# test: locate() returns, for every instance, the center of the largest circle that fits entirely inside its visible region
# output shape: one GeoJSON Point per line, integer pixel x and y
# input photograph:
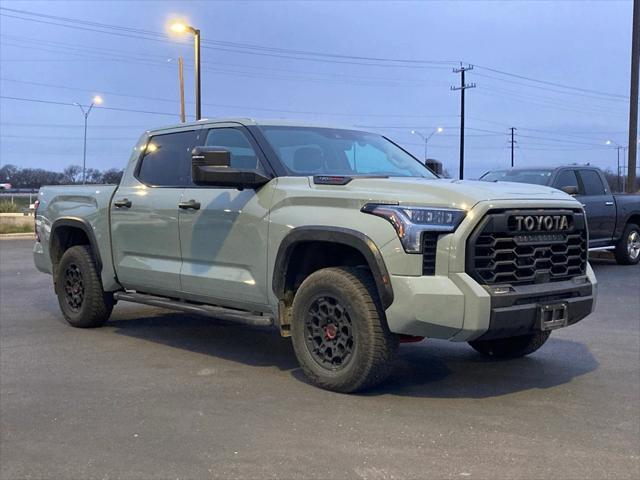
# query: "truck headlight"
{"type": "Point", "coordinates": [410, 222]}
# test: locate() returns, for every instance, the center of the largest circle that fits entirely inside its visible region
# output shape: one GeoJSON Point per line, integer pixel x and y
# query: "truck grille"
{"type": "Point", "coordinates": [503, 250]}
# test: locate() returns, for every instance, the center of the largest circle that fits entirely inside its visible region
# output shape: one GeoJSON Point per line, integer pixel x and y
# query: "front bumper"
{"type": "Point", "coordinates": [457, 308]}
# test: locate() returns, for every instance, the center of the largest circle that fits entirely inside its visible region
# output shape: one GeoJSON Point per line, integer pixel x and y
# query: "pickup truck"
{"type": "Point", "coordinates": [613, 219]}
{"type": "Point", "coordinates": [339, 238]}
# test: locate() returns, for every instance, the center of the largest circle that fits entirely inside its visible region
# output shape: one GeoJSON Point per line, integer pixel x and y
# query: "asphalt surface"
{"type": "Point", "coordinates": [157, 394]}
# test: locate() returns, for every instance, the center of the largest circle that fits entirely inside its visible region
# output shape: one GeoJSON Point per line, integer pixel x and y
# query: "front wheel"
{"type": "Point", "coordinates": [339, 332]}
{"type": "Point", "coordinates": [627, 250]}
{"type": "Point", "coordinates": [511, 347]}
{"type": "Point", "coordinates": [82, 300]}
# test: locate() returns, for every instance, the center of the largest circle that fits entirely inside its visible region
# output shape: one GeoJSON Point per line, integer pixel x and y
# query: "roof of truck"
{"type": "Point", "coordinates": [248, 121]}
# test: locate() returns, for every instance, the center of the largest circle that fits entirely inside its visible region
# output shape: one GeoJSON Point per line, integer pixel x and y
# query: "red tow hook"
{"type": "Point", "coordinates": [410, 339]}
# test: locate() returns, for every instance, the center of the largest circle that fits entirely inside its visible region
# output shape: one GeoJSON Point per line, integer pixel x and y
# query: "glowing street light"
{"type": "Point", "coordinates": [426, 139]}
{"type": "Point", "coordinates": [97, 100]}
{"type": "Point", "coordinates": [180, 27]}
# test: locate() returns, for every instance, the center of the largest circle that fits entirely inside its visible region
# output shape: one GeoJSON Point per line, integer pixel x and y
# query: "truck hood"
{"type": "Point", "coordinates": [444, 192]}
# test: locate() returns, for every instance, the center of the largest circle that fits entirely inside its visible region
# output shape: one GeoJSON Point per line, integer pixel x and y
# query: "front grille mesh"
{"type": "Point", "coordinates": [500, 257]}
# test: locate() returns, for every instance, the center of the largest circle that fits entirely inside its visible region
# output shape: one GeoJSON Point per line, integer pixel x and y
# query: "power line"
{"type": "Point", "coordinates": [51, 102]}
{"type": "Point", "coordinates": [392, 62]}
{"type": "Point", "coordinates": [563, 92]}
{"type": "Point", "coordinates": [157, 37]}
{"type": "Point", "coordinates": [553, 84]}
{"type": "Point", "coordinates": [337, 114]}
{"type": "Point", "coordinates": [555, 106]}
{"type": "Point", "coordinates": [553, 100]}
{"type": "Point", "coordinates": [261, 74]}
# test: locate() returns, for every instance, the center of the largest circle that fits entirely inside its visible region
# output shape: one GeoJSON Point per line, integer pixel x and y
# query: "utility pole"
{"type": "Point", "coordinates": [181, 78]}
{"type": "Point", "coordinates": [633, 97]}
{"type": "Point", "coordinates": [618, 149]}
{"type": "Point", "coordinates": [513, 143]}
{"type": "Point", "coordinates": [463, 86]}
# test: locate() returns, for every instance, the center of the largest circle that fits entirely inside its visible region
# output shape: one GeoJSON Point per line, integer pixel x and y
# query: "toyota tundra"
{"type": "Point", "coordinates": [339, 238]}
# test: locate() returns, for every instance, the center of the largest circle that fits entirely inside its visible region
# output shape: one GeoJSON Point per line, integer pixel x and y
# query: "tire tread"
{"type": "Point", "coordinates": [98, 304]}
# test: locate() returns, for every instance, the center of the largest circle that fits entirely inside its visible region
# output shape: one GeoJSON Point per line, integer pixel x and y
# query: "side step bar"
{"type": "Point", "coordinates": [221, 313]}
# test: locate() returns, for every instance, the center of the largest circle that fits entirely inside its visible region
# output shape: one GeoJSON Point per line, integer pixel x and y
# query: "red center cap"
{"type": "Point", "coordinates": [330, 331]}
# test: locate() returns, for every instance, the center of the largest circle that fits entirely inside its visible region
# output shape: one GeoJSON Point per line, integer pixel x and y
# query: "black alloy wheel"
{"type": "Point", "coordinates": [73, 287]}
{"type": "Point", "coordinates": [329, 333]}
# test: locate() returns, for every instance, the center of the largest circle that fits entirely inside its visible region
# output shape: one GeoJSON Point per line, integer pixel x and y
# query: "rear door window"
{"type": "Point", "coordinates": [167, 159]}
{"type": "Point", "coordinates": [592, 183]}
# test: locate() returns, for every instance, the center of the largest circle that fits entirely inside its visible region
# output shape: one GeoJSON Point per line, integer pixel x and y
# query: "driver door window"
{"type": "Point", "coordinates": [243, 156]}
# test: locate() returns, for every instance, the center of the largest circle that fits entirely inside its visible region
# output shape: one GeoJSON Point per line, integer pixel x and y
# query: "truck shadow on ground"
{"type": "Point", "coordinates": [439, 369]}
{"type": "Point", "coordinates": [431, 369]}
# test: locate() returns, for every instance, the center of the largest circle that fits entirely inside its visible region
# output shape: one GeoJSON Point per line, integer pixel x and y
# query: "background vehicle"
{"type": "Point", "coordinates": [614, 219]}
{"type": "Point", "coordinates": [340, 238]}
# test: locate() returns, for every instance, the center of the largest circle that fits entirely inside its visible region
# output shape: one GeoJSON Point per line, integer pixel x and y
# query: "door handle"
{"type": "Point", "coordinates": [124, 202]}
{"type": "Point", "coordinates": [190, 205]}
{"type": "Point", "coordinates": [609, 204]}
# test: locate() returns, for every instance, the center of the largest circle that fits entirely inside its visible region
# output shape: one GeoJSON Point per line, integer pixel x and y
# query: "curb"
{"type": "Point", "coordinates": [17, 236]}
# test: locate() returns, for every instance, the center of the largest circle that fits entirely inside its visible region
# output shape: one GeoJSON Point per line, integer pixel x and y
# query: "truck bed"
{"type": "Point", "coordinates": [85, 204]}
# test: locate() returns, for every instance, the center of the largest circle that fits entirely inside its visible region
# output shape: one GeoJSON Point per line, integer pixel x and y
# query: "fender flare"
{"type": "Point", "coordinates": [344, 236]}
{"type": "Point", "coordinates": [83, 225]}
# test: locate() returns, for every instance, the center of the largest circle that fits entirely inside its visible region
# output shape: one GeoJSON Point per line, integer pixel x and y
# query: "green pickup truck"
{"type": "Point", "coordinates": [339, 238]}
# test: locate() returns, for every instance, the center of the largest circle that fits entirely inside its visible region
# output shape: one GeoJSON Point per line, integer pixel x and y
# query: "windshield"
{"type": "Point", "coordinates": [538, 177]}
{"type": "Point", "coordinates": [327, 151]}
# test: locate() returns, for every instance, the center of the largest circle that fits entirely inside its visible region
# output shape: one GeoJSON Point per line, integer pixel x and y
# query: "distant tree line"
{"type": "Point", "coordinates": [36, 177]}
{"type": "Point", "coordinates": [618, 185]}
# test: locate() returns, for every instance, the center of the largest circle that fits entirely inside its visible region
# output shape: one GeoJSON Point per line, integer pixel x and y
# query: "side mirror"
{"type": "Point", "coordinates": [570, 189]}
{"type": "Point", "coordinates": [211, 166]}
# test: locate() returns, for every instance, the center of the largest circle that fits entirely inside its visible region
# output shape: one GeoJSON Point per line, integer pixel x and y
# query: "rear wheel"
{"type": "Point", "coordinates": [339, 332]}
{"type": "Point", "coordinates": [511, 347]}
{"type": "Point", "coordinates": [627, 250]}
{"type": "Point", "coordinates": [82, 300]}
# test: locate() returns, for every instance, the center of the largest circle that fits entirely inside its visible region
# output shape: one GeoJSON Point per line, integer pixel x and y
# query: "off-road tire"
{"type": "Point", "coordinates": [621, 251]}
{"type": "Point", "coordinates": [88, 305]}
{"type": "Point", "coordinates": [511, 347]}
{"type": "Point", "coordinates": [373, 345]}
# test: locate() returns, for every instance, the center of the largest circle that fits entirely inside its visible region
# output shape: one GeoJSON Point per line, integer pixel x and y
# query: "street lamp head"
{"type": "Point", "coordinates": [97, 100]}
{"type": "Point", "coordinates": [413, 132]}
{"type": "Point", "coordinates": [439, 129]}
{"type": "Point", "coordinates": [608, 142]}
{"type": "Point", "coordinates": [180, 27]}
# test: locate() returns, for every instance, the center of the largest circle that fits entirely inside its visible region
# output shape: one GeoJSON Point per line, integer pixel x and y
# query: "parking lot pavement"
{"type": "Point", "coordinates": [158, 394]}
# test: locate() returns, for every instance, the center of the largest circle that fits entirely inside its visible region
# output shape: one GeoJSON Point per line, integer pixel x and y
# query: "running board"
{"type": "Point", "coordinates": [599, 249]}
{"type": "Point", "coordinates": [221, 313]}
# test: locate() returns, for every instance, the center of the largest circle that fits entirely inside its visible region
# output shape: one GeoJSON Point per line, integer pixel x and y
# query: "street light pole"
{"type": "Point", "coordinates": [426, 139]}
{"type": "Point", "coordinates": [196, 48]}
{"type": "Point", "coordinates": [97, 100]}
{"type": "Point", "coordinates": [180, 27]}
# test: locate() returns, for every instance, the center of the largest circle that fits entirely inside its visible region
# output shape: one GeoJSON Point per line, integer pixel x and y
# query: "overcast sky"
{"type": "Point", "coordinates": [328, 62]}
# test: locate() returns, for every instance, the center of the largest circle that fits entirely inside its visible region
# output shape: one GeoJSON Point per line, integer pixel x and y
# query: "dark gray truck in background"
{"type": "Point", "coordinates": [613, 219]}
